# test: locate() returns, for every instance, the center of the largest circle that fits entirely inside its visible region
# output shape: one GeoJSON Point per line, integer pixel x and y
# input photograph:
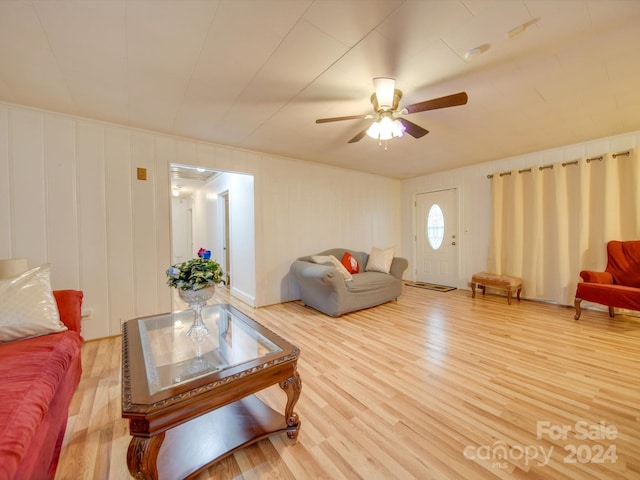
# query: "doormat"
{"type": "Point", "coordinates": [430, 286]}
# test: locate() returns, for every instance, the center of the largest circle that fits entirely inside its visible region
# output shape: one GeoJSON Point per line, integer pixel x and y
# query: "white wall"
{"type": "Point", "coordinates": [205, 218]}
{"type": "Point", "coordinates": [69, 196]}
{"type": "Point", "coordinates": [242, 239]}
{"type": "Point", "coordinates": [182, 241]}
{"type": "Point", "coordinates": [475, 198]}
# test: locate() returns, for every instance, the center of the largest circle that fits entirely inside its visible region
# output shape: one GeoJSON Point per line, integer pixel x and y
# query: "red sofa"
{"type": "Point", "coordinates": [619, 285]}
{"type": "Point", "coordinates": [39, 376]}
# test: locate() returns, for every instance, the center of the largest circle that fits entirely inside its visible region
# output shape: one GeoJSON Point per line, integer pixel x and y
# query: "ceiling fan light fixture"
{"type": "Point", "coordinates": [386, 125]}
{"type": "Point", "coordinates": [386, 129]}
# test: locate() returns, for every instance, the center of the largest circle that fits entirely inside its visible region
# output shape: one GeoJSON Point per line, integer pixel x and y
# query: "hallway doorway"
{"type": "Point", "coordinates": [214, 210]}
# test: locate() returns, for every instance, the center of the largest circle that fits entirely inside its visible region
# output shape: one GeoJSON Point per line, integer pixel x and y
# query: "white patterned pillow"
{"type": "Point", "coordinates": [27, 306]}
{"type": "Point", "coordinates": [333, 261]}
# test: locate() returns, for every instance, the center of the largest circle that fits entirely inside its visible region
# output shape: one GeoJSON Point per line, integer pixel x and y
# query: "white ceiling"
{"type": "Point", "coordinates": [257, 73]}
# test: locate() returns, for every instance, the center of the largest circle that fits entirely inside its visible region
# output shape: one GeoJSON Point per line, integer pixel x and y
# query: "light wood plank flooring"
{"type": "Point", "coordinates": [435, 385]}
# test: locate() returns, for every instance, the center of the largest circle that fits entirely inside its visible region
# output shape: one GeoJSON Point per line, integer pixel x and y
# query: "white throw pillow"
{"type": "Point", "coordinates": [27, 306]}
{"type": "Point", "coordinates": [321, 259]}
{"type": "Point", "coordinates": [333, 261]}
{"type": "Point", "coordinates": [380, 260]}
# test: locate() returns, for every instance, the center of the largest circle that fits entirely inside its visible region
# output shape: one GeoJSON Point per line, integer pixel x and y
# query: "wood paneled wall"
{"type": "Point", "coordinates": [69, 196]}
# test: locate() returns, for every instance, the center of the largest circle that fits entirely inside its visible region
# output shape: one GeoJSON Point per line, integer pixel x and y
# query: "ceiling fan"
{"type": "Point", "coordinates": [389, 121]}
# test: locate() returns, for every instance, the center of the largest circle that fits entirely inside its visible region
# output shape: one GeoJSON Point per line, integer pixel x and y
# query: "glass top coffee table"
{"type": "Point", "coordinates": [190, 399]}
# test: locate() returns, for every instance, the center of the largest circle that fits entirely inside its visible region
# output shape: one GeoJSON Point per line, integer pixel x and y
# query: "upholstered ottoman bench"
{"type": "Point", "coordinates": [493, 280]}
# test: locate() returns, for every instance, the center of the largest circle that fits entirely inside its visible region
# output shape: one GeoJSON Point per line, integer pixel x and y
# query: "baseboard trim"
{"type": "Point", "coordinates": [243, 296]}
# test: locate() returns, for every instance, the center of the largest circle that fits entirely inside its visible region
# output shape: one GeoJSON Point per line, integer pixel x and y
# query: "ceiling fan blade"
{"type": "Point", "coordinates": [359, 136]}
{"type": "Point", "coordinates": [435, 103]}
{"type": "Point", "coordinates": [338, 119]}
{"type": "Point", "coordinates": [416, 131]}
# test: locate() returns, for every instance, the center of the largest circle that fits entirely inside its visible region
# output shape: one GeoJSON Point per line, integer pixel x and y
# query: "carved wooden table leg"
{"type": "Point", "coordinates": [142, 456]}
{"type": "Point", "coordinates": [292, 386]}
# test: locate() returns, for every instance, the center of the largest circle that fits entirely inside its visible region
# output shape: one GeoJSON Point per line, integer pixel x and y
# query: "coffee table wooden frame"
{"type": "Point", "coordinates": [179, 432]}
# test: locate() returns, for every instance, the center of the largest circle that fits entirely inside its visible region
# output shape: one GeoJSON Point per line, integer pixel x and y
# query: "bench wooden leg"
{"type": "Point", "coordinates": [473, 290]}
{"type": "Point", "coordinates": [611, 312]}
{"type": "Point", "coordinates": [509, 296]}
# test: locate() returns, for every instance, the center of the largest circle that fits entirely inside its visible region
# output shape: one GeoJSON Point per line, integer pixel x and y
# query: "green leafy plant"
{"type": "Point", "coordinates": [195, 274]}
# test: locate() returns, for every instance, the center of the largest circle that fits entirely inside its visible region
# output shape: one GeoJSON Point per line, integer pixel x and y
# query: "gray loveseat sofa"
{"type": "Point", "coordinates": [324, 288]}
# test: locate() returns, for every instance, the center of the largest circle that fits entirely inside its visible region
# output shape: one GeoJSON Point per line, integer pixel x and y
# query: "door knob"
{"type": "Point", "coordinates": [453, 243]}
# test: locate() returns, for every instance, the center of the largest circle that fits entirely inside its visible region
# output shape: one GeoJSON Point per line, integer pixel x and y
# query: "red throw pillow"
{"type": "Point", "coordinates": [350, 263]}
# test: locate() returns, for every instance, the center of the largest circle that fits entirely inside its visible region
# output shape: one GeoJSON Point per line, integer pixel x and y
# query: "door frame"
{"type": "Point", "coordinates": [224, 234]}
{"type": "Point", "coordinates": [414, 243]}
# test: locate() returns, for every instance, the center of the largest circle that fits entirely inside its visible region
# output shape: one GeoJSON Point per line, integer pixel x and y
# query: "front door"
{"type": "Point", "coordinates": [437, 237]}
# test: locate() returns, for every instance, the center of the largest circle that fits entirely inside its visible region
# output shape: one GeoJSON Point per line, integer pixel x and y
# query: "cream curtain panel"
{"type": "Point", "coordinates": [550, 222]}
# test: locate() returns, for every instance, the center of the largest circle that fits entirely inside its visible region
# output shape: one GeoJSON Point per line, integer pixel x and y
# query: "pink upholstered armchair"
{"type": "Point", "coordinates": [619, 285]}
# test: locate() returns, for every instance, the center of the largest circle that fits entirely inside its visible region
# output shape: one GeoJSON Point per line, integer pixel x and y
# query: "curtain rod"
{"type": "Point", "coordinates": [528, 170]}
{"type": "Point", "coordinates": [564, 164]}
{"type": "Point", "coordinates": [622, 154]}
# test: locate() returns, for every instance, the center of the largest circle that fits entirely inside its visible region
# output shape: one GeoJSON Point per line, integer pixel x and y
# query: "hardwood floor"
{"type": "Point", "coordinates": [435, 385]}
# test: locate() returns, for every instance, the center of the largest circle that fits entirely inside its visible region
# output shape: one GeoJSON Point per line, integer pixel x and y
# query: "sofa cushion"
{"type": "Point", "coordinates": [619, 296]}
{"type": "Point", "coordinates": [31, 372]}
{"type": "Point", "coordinates": [370, 282]}
{"type": "Point", "coordinates": [350, 263]}
{"type": "Point", "coordinates": [27, 306]}
{"type": "Point", "coordinates": [380, 260]}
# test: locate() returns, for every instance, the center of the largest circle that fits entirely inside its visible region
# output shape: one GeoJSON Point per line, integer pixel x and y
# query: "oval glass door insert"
{"type": "Point", "coordinates": [435, 226]}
